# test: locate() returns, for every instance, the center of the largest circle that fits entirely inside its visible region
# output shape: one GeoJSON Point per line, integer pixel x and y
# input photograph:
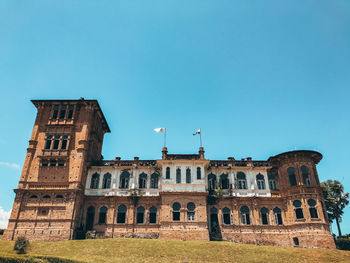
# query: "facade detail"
{"type": "Point", "coordinates": [66, 189]}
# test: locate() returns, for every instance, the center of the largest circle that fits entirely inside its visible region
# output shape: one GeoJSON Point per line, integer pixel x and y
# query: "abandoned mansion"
{"type": "Point", "coordinates": [66, 189]}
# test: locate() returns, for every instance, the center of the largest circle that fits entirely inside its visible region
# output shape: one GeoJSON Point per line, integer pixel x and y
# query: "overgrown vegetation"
{"type": "Point", "coordinates": [2, 231]}
{"type": "Point", "coordinates": [21, 245]}
{"type": "Point", "coordinates": [157, 250]}
{"type": "Point", "coordinates": [343, 243]}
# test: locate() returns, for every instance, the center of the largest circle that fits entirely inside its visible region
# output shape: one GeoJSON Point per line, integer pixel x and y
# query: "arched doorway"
{"type": "Point", "coordinates": [90, 215]}
{"type": "Point", "coordinates": [214, 226]}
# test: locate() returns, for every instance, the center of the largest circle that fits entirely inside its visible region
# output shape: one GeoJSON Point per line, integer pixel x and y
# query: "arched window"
{"type": "Point", "coordinates": [176, 211]}
{"type": "Point", "coordinates": [242, 181]}
{"type": "Point", "coordinates": [245, 218]}
{"type": "Point", "coordinates": [140, 215]}
{"type": "Point", "coordinates": [260, 181]}
{"type": "Point", "coordinates": [95, 180]}
{"type": "Point", "coordinates": [226, 214]}
{"type": "Point", "coordinates": [90, 215]}
{"type": "Point", "coordinates": [296, 241]}
{"type": "Point", "coordinates": [153, 215]}
{"type": "Point", "coordinates": [264, 213]}
{"type": "Point", "coordinates": [154, 180]}
{"type": "Point", "coordinates": [278, 216]}
{"type": "Point", "coordinates": [142, 180]}
{"type": "Point", "coordinates": [59, 196]}
{"type": "Point", "coordinates": [315, 176]}
{"type": "Point", "coordinates": [167, 173]}
{"type": "Point", "coordinates": [188, 176]}
{"type": "Point", "coordinates": [291, 176]}
{"type": "Point", "coordinates": [106, 183]}
{"type": "Point", "coordinates": [102, 215]}
{"type": "Point", "coordinates": [224, 182]}
{"type": "Point", "coordinates": [298, 210]}
{"type": "Point", "coordinates": [34, 196]}
{"type": "Point", "coordinates": [46, 196]}
{"type": "Point", "coordinates": [211, 181]}
{"type": "Point", "coordinates": [272, 182]}
{"type": "Point", "coordinates": [305, 174]}
{"type": "Point", "coordinates": [199, 173]}
{"type": "Point", "coordinates": [312, 208]}
{"type": "Point", "coordinates": [121, 214]}
{"type": "Point", "coordinates": [178, 176]}
{"type": "Point", "coordinates": [124, 180]}
{"type": "Point", "coordinates": [190, 211]}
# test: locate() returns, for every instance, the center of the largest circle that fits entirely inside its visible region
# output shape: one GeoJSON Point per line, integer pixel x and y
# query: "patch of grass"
{"type": "Point", "coordinates": [155, 250]}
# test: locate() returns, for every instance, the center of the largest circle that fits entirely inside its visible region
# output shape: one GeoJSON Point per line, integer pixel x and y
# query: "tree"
{"type": "Point", "coordinates": [335, 200]}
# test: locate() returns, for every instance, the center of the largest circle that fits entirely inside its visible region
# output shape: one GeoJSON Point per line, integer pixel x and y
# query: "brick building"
{"type": "Point", "coordinates": [66, 189]}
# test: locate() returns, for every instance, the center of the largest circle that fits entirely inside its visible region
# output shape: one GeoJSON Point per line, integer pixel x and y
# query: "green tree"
{"type": "Point", "coordinates": [335, 200]}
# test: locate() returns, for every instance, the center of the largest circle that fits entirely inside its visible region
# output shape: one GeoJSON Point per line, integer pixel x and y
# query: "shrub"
{"type": "Point", "coordinates": [343, 243]}
{"type": "Point", "coordinates": [21, 245]}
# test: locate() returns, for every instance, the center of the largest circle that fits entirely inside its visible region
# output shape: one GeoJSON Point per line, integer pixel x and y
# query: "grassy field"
{"type": "Point", "coordinates": [142, 250]}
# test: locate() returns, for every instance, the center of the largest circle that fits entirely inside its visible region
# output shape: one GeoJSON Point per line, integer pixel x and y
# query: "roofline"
{"type": "Point", "coordinates": [319, 155]}
{"type": "Point", "coordinates": [79, 100]}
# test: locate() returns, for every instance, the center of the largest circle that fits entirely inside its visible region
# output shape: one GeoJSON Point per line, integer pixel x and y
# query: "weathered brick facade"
{"type": "Point", "coordinates": [67, 189]}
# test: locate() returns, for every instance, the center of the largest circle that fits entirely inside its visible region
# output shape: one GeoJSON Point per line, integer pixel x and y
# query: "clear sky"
{"type": "Point", "coordinates": [259, 77]}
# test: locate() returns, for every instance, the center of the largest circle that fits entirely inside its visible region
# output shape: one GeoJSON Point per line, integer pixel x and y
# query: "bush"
{"type": "Point", "coordinates": [2, 231]}
{"type": "Point", "coordinates": [21, 245]}
{"type": "Point", "coordinates": [343, 243]}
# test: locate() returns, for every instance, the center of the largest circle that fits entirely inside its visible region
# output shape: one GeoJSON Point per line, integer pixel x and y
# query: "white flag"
{"type": "Point", "coordinates": [197, 132]}
{"type": "Point", "coordinates": [162, 130]}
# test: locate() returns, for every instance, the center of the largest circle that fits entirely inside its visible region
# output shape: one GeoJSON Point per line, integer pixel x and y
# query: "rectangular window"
{"type": "Point", "coordinates": [64, 142]}
{"type": "Point", "coordinates": [70, 112]}
{"type": "Point", "coordinates": [61, 164]}
{"type": "Point", "coordinates": [227, 219]}
{"type": "Point", "coordinates": [167, 173]}
{"type": "Point", "coordinates": [45, 164]}
{"type": "Point", "coordinates": [278, 218]}
{"type": "Point", "coordinates": [139, 218]}
{"type": "Point", "coordinates": [153, 218]}
{"type": "Point", "coordinates": [56, 142]}
{"type": "Point", "coordinates": [53, 163]}
{"type": "Point", "coordinates": [121, 218]}
{"type": "Point", "coordinates": [48, 142]}
{"type": "Point", "coordinates": [55, 112]}
{"type": "Point", "coordinates": [264, 219]}
{"type": "Point", "coordinates": [63, 111]}
{"type": "Point", "coordinates": [292, 180]}
{"type": "Point", "coordinates": [176, 216]}
{"type": "Point", "coordinates": [178, 176]}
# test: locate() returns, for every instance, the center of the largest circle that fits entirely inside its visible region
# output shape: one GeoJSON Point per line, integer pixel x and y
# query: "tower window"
{"type": "Point", "coordinates": [242, 181]}
{"type": "Point", "coordinates": [167, 173]}
{"type": "Point", "coordinates": [225, 184]}
{"type": "Point", "coordinates": [48, 142]}
{"type": "Point", "coordinates": [211, 182]}
{"type": "Point", "coordinates": [188, 176]}
{"type": "Point", "coordinates": [106, 184]}
{"type": "Point", "coordinates": [291, 176]}
{"type": "Point", "coordinates": [154, 180]}
{"type": "Point", "coordinates": [178, 176]}
{"type": "Point", "coordinates": [64, 142]}
{"type": "Point", "coordinates": [63, 111]}
{"type": "Point", "coordinates": [56, 142]}
{"type": "Point", "coordinates": [199, 174]}
{"type": "Point", "coordinates": [55, 112]}
{"type": "Point", "coordinates": [260, 181]}
{"type": "Point", "coordinates": [298, 210]}
{"type": "Point", "coordinates": [124, 180]}
{"type": "Point", "coordinates": [278, 216]}
{"type": "Point", "coordinates": [312, 208]}
{"type": "Point", "coordinates": [95, 179]}
{"type": "Point", "coordinates": [305, 174]}
{"type": "Point", "coordinates": [142, 180]}
{"type": "Point", "coordinates": [70, 112]}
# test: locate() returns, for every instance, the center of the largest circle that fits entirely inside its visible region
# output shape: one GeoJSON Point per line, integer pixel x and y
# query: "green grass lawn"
{"type": "Point", "coordinates": [142, 250]}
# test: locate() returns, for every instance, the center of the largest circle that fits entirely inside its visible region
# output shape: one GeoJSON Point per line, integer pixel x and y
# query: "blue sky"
{"type": "Point", "coordinates": [259, 77]}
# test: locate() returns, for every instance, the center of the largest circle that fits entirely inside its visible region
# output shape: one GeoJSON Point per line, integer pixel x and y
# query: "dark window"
{"type": "Point", "coordinates": [278, 216]}
{"type": "Point", "coordinates": [90, 215]}
{"type": "Point", "coordinates": [296, 241]}
{"type": "Point", "coordinates": [53, 163]}
{"type": "Point", "coordinates": [56, 142]}
{"type": "Point", "coordinates": [154, 180]}
{"type": "Point", "coordinates": [61, 163]}
{"type": "Point", "coordinates": [298, 210]}
{"type": "Point", "coordinates": [226, 216]}
{"type": "Point", "coordinates": [291, 176]}
{"type": "Point", "coordinates": [59, 196]}
{"type": "Point", "coordinates": [102, 215]}
{"type": "Point", "coordinates": [124, 180]}
{"type": "Point", "coordinates": [242, 181]}
{"type": "Point", "coordinates": [45, 163]}
{"type": "Point", "coordinates": [312, 208]}
{"type": "Point", "coordinates": [225, 184]}
{"type": "Point", "coordinates": [264, 212]}
{"type": "Point", "coordinates": [142, 180]}
{"type": "Point", "coordinates": [121, 214]}
{"type": "Point", "coordinates": [188, 176]}
{"type": "Point", "coordinates": [46, 196]}
{"type": "Point", "coordinates": [55, 112]}
{"type": "Point", "coordinates": [176, 211]}
{"type": "Point", "coordinates": [70, 112]}
{"type": "Point", "coordinates": [260, 181]}
{"type": "Point", "coordinates": [140, 215]}
{"type": "Point", "coordinates": [315, 175]}
{"type": "Point", "coordinates": [34, 196]}
{"type": "Point", "coordinates": [63, 111]}
{"type": "Point", "coordinates": [199, 174]}
{"type": "Point", "coordinates": [64, 142]}
{"type": "Point", "coordinates": [95, 179]}
{"type": "Point", "coordinates": [106, 183]}
{"type": "Point", "coordinates": [153, 215]}
{"type": "Point", "coordinates": [245, 215]}
{"type": "Point", "coordinates": [305, 175]}
{"type": "Point", "coordinates": [48, 142]}
{"type": "Point", "coordinates": [190, 211]}
{"type": "Point", "coordinates": [272, 182]}
{"type": "Point", "coordinates": [211, 181]}
{"type": "Point", "coordinates": [178, 176]}
{"type": "Point", "coordinates": [167, 173]}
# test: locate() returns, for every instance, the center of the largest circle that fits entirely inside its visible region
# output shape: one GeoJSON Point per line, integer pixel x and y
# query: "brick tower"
{"type": "Point", "coordinates": [67, 134]}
